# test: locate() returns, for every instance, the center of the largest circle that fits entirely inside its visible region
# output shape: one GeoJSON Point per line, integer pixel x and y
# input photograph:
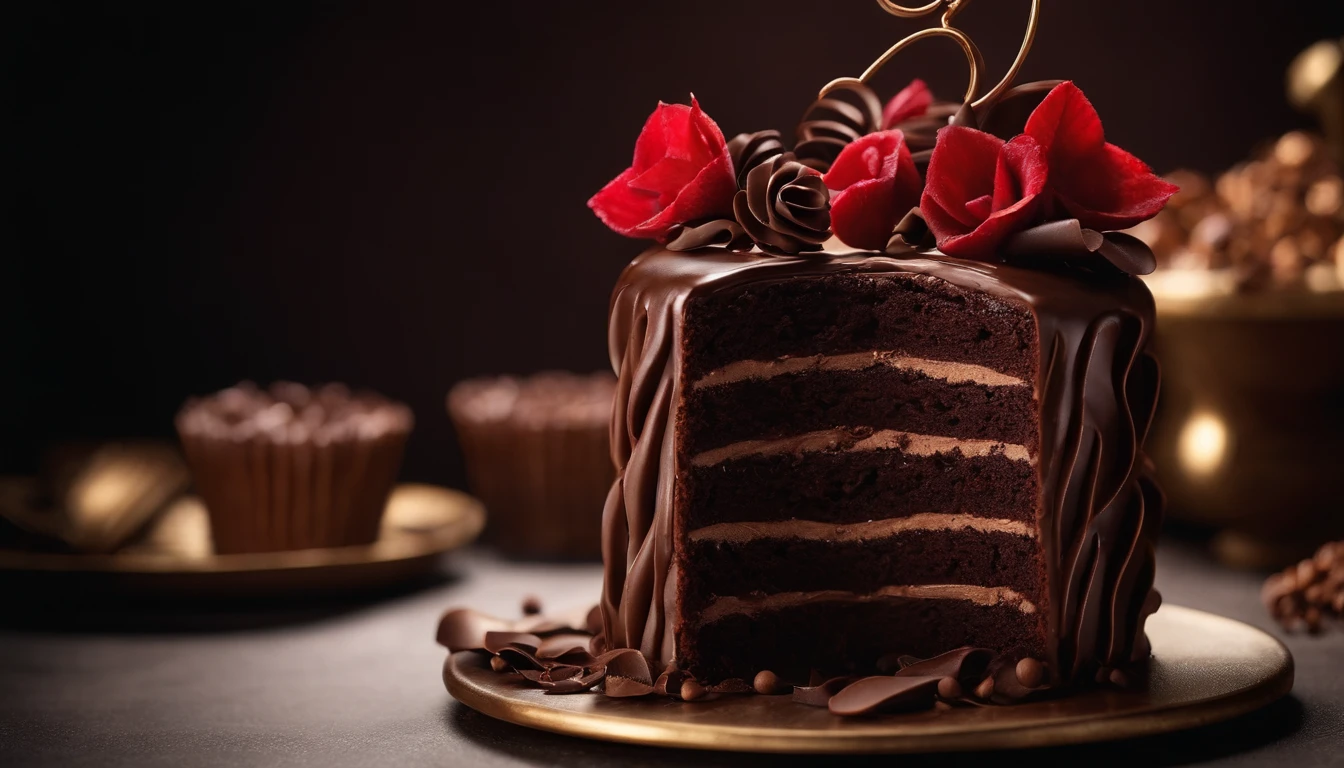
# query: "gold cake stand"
{"type": "Point", "coordinates": [1205, 668]}
{"type": "Point", "coordinates": [174, 556]}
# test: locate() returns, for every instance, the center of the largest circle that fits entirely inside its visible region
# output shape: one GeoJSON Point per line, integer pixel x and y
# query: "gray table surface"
{"type": "Point", "coordinates": [92, 682]}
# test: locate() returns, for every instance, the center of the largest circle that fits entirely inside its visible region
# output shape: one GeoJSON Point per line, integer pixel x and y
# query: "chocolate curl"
{"type": "Point", "coordinates": [574, 684]}
{"type": "Point", "coordinates": [966, 665]}
{"type": "Point", "coordinates": [669, 683]}
{"type": "Point", "coordinates": [749, 150]}
{"type": "Point", "coordinates": [885, 694]}
{"type": "Point", "coordinates": [911, 233]}
{"type": "Point", "coordinates": [723, 233]}
{"type": "Point", "coordinates": [1067, 241]}
{"type": "Point", "coordinates": [830, 123]}
{"type": "Point", "coordinates": [628, 674]}
{"type": "Point", "coordinates": [820, 695]}
{"type": "Point", "coordinates": [463, 629]}
{"type": "Point", "coordinates": [498, 641]}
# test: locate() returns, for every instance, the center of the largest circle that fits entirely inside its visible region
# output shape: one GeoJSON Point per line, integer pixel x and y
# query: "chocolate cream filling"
{"type": "Point", "coordinates": [722, 607]}
{"type": "Point", "coordinates": [846, 440]}
{"type": "Point", "coordinates": [737, 533]}
{"type": "Point", "coordinates": [954, 373]}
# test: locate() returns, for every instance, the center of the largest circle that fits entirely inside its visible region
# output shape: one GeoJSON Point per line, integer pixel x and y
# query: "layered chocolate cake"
{"type": "Point", "coordinates": [830, 460]}
{"type": "Point", "coordinates": [881, 406]}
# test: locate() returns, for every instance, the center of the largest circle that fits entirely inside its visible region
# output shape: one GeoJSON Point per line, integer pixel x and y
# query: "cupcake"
{"type": "Point", "coordinates": [292, 467]}
{"type": "Point", "coordinates": [538, 455]}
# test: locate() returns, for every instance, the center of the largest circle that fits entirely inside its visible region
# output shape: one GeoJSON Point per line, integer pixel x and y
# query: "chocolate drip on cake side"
{"type": "Point", "coordinates": [1096, 388]}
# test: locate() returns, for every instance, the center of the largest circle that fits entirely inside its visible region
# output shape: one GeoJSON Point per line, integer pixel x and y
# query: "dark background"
{"type": "Point", "coordinates": [392, 194]}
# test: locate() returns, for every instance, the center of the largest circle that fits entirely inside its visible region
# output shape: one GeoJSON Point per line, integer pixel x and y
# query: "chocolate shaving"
{"type": "Point", "coordinates": [885, 694]}
{"type": "Point", "coordinates": [497, 641]}
{"type": "Point", "coordinates": [831, 123]}
{"type": "Point", "coordinates": [724, 233]}
{"type": "Point", "coordinates": [1067, 242]}
{"type": "Point", "coordinates": [563, 646]}
{"type": "Point", "coordinates": [966, 665]}
{"type": "Point", "coordinates": [820, 695]}
{"type": "Point", "coordinates": [785, 208]}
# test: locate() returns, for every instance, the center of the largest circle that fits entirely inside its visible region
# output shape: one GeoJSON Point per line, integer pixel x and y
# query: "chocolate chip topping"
{"type": "Point", "coordinates": [785, 207]}
{"type": "Point", "coordinates": [291, 412]}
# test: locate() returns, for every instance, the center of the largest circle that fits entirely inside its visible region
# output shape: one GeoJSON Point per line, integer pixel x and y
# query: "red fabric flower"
{"type": "Point", "coordinates": [681, 173]}
{"type": "Point", "coordinates": [913, 101]}
{"type": "Point", "coordinates": [980, 190]}
{"type": "Point", "coordinates": [873, 184]}
{"type": "Point", "coordinates": [1100, 184]}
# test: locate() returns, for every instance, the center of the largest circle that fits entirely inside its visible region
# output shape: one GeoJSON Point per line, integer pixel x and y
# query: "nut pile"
{"type": "Point", "coordinates": [1274, 221]}
{"type": "Point", "coordinates": [1306, 594]}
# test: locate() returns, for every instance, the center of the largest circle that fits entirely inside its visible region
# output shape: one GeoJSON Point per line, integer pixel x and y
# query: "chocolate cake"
{"type": "Point", "coordinates": [880, 409]}
{"type": "Point", "coordinates": [826, 461]}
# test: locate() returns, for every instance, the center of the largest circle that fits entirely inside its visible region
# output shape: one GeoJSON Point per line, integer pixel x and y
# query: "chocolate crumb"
{"type": "Point", "coordinates": [691, 690]}
{"type": "Point", "coordinates": [1030, 672]}
{"type": "Point", "coordinates": [768, 683]}
{"type": "Point", "coordinates": [498, 664]}
{"type": "Point", "coordinates": [531, 605]}
{"type": "Point", "coordinates": [985, 689]}
{"type": "Point", "coordinates": [949, 688]}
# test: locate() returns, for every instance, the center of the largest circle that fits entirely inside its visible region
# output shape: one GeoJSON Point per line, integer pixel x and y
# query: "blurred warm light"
{"type": "Point", "coordinates": [1203, 444]}
{"type": "Point", "coordinates": [1313, 70]}
{"type": "Point", "coordinates": [103, 493]}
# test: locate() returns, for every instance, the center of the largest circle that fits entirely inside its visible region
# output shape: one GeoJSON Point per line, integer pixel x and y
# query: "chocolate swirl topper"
{"type": "Point", "coordinates": [950, 9]}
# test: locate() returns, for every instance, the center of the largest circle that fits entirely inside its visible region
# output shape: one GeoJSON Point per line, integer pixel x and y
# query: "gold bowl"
{"type": "Point", "coordinates": [1249, 436]}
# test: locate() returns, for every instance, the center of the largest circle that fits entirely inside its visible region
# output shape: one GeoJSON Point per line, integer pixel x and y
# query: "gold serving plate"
{"type": "Point", "coordinates": [1205, 668]}
{"type": "Point", "coordinates": [1250, 430]}
{"type": "Point", "coordinates": [174, 556]}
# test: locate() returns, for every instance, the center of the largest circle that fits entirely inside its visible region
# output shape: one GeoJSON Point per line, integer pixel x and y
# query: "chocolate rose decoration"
{"type": "Point", "coordinates": [749, 150]}
{"type": "Point", "coordinates": [830, 123]}
{"type": "Point", "coordinates": [785, 207]}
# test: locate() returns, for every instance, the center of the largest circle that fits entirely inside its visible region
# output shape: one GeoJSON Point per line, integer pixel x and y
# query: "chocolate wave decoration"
{"type": "Point", "coordinates": [785, 207]}
{"type": "Point", "coordinates": [1066, 242]}
{"type": "Point", "coordinates": [724, 233]}
{"type": "Point", "coordinates": [749, 150]}
{"type": "Point", "coordinates": [831, 123]}
{"type": "Point", "coordinates": [569, 656]}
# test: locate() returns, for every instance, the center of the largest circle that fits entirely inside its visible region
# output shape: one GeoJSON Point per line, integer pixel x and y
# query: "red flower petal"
{"type": "Point", "coordinates": [981, 190]}
{"type": "Point", "coordinates": [874, 183]}
{"type": "Point", "coordinates": [1101, 185]}
{"type": "Point", "coordinates": [913, 101]}
{"type": "Point", "coordinates": [961, 169]}
{"type": "Point", "coordinates": [1115, 190]}
{"type": "Point", "coordinates": [681, 172]}
{"type": "Point", "coordinates": [1066, 125]}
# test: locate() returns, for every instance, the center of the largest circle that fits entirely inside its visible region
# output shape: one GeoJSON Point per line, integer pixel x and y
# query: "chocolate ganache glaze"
{"type": "Point", "coordinates": [1096, 388]}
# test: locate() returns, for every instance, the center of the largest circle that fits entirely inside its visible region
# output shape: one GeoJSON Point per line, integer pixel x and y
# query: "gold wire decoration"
{"type": "Point", "coordinates": [950, 8]}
